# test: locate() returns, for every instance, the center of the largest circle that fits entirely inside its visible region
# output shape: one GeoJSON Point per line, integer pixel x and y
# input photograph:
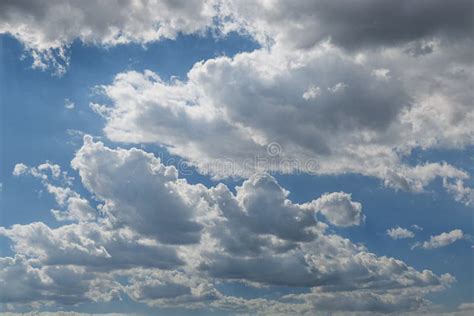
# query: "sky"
{"type": "Point", "coordinates": [230, 157]}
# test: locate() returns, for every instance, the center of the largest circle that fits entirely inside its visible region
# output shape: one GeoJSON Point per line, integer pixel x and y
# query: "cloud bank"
{"type": "Point", "coordinates": [165, 242]}
{"type": "Point", "coordinates": [339, 86]}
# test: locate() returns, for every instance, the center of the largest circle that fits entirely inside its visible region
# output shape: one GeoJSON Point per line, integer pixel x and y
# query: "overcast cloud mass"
{"type": "Point", "coordinates": [229, 157]}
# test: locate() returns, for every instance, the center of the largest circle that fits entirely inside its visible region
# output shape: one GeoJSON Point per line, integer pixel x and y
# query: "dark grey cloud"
{"type": "Point", "coordinates": [47, 28]}
{"type": "Point", "coordinates": [356, 25]}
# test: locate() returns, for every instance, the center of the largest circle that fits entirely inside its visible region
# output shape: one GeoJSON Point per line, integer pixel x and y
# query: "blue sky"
{"type": "Point", "coordinates": [389, 127]}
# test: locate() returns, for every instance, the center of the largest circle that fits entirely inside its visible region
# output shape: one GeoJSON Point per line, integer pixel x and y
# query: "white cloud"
{"type": "Point", "coordinates": [30, 284]}
{"type": "Point", "coordinates": [78, 209]}
{"type": "Point", "coordinates": [75, 208]}
{"type": "Point", "coordinates": [68, 104]}
{"type": "Point", "coordinates": [89, 245]}
{"type": "Point", "coordinates": [339, 209]}
{"type": "Point", "coordinates": [337, 88]}
{"type": "Point", "coordinates": [381, 74]}
{"type": "Point", "coordinates": [460, 192]}
{"type": "Point", "coordinates": [153, 234]}
{"type": "Point", "coordinates": [368, 129]}
{"type": "Point", "coordinates": [442, 240]}
{"type": "Point", "coordinates": [256, 236]}
{"type": "Point", "coordinates": [41, 171]}
{"type": "Point", "coordinates": [400, 233]}
{"type": "Point", "coordinates": [312, 93]}
{"type": "Point", "coordinates": [357, 303]}
{"type": "Point", "coordinates": [48, 28]}
{"type": "Point", "coordinates": [19, 169]}
{"type": "Point", "coordinates": [363, 125]}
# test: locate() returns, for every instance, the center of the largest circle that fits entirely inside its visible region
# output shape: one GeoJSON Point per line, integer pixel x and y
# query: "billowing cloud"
{"type": "Point", "coordinates": [331, 107]}
{"type": "Point", "coordinates": [158, 208]}
{"type": "Point", "coordinates": [367, 127]}
{"type": "Point", "coordinates": [89, 245]}
{"type": "Point", "coordinates": [331, 102]}
{"type": "Point", "coordinates": [255, 236]}
{"type": "Point", "coordinates": [335, 87]}
{"type": "Point", "coordinates": [47, 28]}
{"type": "Point", "coordinates": [400, 233]}
{"type": "Point", "coordinates": [339, 209]}
{"type": "Point", "coordinates": [30, 284]}
{"type": "Point", "coordinates": [361, 25]}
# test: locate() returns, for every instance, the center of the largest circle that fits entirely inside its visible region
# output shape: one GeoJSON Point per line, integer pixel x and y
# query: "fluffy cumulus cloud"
{"type": "Point", "coordinates": [335, 87]}
{"type": "Point", "coordinates": [255, 236]}
{"type": "Point", "coordinates": [134, 203]}
{"type": "Point", "coordinates": [339, 209]}
{"type": "Point", "coordinates": [400, 233]}
{"type": "Point", "coordinates": [89, 245]}
{"type": "Point", "coordinates": [340, 87]}
{"type": "Point", "coordinates": [330, 107]}
{"type": "Point", "coordinates": [48, 28]}
{"type": "Point", "coordinates": [67, 284]}
{"type": "Point", "coordinates": [229, 112]}
{"type": "Point", "coordinates": [442, 240]}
